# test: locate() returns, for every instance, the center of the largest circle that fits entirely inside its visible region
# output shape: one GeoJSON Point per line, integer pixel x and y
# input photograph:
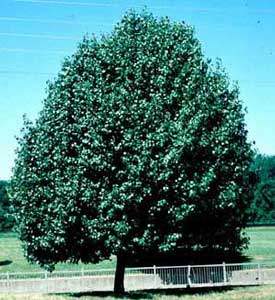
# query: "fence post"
{"type": "Point", "coordinates": [155, 276]}
{"type": "Point", "coordinates": [259, 273]}
{"type": "Point", "coordinates": [224, 272]}
{"type": "Point", "coordinates": [8, 283]}
{"type": "Point", "coordinates": [82, 280]}
{"type": "Point", "coordinates": [189, 276]}
{"type": "Point", "coordinates": [46, 281]}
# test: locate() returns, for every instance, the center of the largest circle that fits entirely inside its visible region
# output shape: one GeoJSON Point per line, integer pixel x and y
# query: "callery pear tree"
{"type": "Point", "coordinates": [140, 147]}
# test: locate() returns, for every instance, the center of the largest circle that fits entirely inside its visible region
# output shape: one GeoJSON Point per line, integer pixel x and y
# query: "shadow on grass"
{"type": "Point", "coordinates": [5, 262]}
{"type": "Point", "coordinates": [150, 294]}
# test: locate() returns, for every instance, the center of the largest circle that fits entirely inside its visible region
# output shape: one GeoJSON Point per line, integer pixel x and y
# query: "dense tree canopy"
{"type": "Point", "coordinates": [263, 204]}
{"type": "Point", "coordinates": [6, 220]}
{"type": "Point", "coordinates": [140, 147]}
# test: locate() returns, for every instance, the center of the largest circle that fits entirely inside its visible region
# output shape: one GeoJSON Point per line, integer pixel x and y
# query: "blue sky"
{"type": "Point", "coordinates": [35, 35]}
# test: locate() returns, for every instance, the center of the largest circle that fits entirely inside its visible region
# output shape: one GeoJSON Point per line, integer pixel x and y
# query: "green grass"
{"type": "Point", "coordinates": [262, 244]}
{"type": "Point", "coordinates": [13, 260]}
{"type": "Point", "coordinates": [248, 293]}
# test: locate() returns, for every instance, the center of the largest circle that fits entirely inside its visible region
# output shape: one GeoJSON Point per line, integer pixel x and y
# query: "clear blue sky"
{"type": "Point", "coordinates": [35, 35]}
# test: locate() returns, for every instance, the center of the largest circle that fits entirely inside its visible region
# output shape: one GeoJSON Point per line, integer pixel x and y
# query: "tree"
{"type": "Point", "coordinates": [6, 220]}
{"type": "Point", "coordinates": [141, 147]}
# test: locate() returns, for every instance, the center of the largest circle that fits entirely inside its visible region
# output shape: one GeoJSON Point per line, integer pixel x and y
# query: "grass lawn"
{"type": "Point", "coordinates": [12, 259]}
{"type": "Point", "coordinates": [262, 244]}
{"type": "Point", "coordinates": [248, 293]}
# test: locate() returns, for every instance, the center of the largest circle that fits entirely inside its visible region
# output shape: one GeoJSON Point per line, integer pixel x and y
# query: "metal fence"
{"type": "Point", "coordinates": [139, 278]}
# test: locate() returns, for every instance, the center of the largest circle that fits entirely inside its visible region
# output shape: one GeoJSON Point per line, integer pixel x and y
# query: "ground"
{"type": "Point", "coordinates": [12, 258]}
{"type": "Point", "coordinates": [248, 293]}
{"type": "Point", "coordinates": [262, 244]}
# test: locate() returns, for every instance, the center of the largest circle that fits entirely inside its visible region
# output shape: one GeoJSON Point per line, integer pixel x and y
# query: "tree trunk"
{"type": "Point", "coordinates": [119, 276]}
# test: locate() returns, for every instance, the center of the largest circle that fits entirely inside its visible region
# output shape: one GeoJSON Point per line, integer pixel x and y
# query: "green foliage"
{"type": "Point", "coordinates": [6, 220]}
{"type": "Point", "coordinates": [140, 147]}
{"type": "Point", "coordinates": [263, 204]}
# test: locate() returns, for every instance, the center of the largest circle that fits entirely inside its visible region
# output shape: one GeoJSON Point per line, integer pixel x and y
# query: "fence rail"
{"type": "Point", "coordinates": [138, 278]}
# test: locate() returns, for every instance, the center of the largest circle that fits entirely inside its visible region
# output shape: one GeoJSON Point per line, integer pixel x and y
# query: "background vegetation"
{"type": "Point", "coordinates": [6, 220]}
{"type": "Point", "coordinates": [263, 204]}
